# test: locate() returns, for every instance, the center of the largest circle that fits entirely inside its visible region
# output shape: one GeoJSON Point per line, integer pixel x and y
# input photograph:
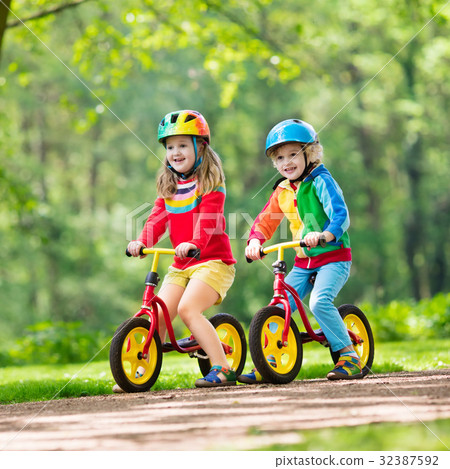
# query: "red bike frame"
{"type": "Point", "coordinates": [150, 304]}
{"type": "Point", "coordinates": [280, 288]}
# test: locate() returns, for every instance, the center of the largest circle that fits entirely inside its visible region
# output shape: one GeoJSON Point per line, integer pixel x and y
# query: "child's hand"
{"type": "Point", "coordinates": [252, 251]}
{"type": "Point", "coordinates": [134, 248]}
{"type": "Point", "coordinates": [312, 239]}
{"type": "Point", "coordinates": [182, 250]}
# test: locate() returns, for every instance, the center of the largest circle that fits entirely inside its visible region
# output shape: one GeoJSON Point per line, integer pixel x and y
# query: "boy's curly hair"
{"type": "Point", "coordinates": [314, 152]}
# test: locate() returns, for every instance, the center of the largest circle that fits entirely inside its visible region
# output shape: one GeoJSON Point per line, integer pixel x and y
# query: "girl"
{"type": "Point", "coordinates": [314, 204]}
{"type": "Point", "coordinates": [191, 196]}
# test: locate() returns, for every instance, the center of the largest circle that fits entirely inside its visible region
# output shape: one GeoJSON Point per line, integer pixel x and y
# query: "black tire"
{"type": "Point", "coordinates": [288, 359]}
{"type": "Point", "coordinates": [356, 321]}
{"type": "Point", "coordinates": [230, 332]}
{"type": "Point", "coordinates": [125, 360]}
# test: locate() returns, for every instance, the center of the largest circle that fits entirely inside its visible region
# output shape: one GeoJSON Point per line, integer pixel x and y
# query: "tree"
{"type": "Point", "coordinates": [4, 11]}
{"type": "Point", "coordinates": [71, 170]}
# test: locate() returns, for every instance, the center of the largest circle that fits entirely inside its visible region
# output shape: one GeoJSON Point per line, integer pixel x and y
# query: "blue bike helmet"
{"type": "Point", "coordinates": [291, 130]}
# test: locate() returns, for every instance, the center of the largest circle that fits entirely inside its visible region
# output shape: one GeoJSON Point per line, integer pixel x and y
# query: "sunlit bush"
{"type": "Point", "coordinates": [60, 343]}
{"type": "Point", "coordinates": [403, 320]}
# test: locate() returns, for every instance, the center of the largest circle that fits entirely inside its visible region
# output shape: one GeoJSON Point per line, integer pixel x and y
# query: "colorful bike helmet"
{"type": "Point", "coordinates": [185, 122]}
{"type": "Point", "coordinates": [291, 130]}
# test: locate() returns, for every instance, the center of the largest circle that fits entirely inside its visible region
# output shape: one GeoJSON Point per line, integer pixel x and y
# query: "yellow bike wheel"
{"type": "Point", "coordinates": [230, 333]}
{"type": "Point", "coordinates": [131, 371]}
{"type": "Point", "coordinates": [355, 320]}
{"type": "Point", "coordinates": [277, 363]}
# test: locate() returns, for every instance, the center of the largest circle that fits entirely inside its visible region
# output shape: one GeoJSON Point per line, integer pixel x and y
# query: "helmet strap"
{"type": "Point", "coordinates": [306, 171]}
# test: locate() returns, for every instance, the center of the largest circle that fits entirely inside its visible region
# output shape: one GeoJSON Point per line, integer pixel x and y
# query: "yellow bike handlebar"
{"type": "Point", "coordinates": [280, 247]}
{"type": "Point", "coordinates": [195, 253]}
{"type": "Point", "coordinates": [145, 251]}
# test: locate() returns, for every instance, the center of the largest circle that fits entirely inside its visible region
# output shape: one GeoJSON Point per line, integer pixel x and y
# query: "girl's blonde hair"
{"type": "Point", "coordinates": [209, 174]}
{"type": "Point", "coordinates": [314, 153]}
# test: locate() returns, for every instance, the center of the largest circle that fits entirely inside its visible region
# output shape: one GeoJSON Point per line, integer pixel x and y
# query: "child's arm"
{"type": "Point", "coordinates": [155, 226]}
{"type": "Point", "coordinates": [332, 200]}
{"type": "Point", "coordinates": [267, 221]}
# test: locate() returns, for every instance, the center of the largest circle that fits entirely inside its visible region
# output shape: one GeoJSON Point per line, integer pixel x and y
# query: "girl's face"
{"type": "Point", "coordinates": [289, 160]}
{"type": "Point", "coordinates": [180, 152]}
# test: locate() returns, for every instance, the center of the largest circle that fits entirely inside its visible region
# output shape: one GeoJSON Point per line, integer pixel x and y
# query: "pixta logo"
{"type": "Point", "coordinates": [136, 219]}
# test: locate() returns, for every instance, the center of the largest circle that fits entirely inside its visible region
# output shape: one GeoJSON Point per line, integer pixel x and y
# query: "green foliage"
{"type": "Point", "coordinates": [408, 320]}
{"type": "Point", "coordinates": [58, 343]}
{"type": "Point", "coordinates": [73, 168]}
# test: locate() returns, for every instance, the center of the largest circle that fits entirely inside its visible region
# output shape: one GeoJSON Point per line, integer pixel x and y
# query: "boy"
{"type": "Point", "coordinates": [312, 201]}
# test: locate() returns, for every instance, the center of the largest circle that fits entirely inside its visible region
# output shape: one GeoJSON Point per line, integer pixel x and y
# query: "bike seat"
{"type": "Point", "coordinates": [312, 278]}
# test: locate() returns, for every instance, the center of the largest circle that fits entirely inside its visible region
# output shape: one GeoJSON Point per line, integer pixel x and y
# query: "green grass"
{"type": "Point", "coordinates": [427, 436]}
{"type": "Point", "coordinates": [45, 382]}
{"type": "Point", "coordinates": [389, 357]}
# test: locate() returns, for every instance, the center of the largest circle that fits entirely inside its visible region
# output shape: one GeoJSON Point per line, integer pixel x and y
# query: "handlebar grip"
{"type": "Point", "coordinates": [322, 242]}
{"type": "Point", "coordinates": [195, 253]}
{"type": "Point", "coordinates": [128, 253]}
{"type": "Point", "coordinates": [261, 253]}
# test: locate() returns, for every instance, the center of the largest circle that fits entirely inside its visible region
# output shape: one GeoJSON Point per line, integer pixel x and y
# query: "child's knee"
{"type": "Point", "coordinates": [187, 314]}
{"type": "Point", "coordinates": [184, 313]}
{"type": "Point", "coordinates": [320, 303]}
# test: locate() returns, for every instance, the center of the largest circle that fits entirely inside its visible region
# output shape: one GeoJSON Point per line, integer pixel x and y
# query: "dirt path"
{"type": "Point", "coordinates": [242, 417]}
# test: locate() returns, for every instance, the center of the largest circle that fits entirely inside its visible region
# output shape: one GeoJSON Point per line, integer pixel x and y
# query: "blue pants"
{"type": "Point", "coordinates": [329, 281]}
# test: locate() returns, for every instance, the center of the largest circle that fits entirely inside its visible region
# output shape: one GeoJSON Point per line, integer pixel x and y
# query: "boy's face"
{"type": "Point", "coordinates": [289, 160]}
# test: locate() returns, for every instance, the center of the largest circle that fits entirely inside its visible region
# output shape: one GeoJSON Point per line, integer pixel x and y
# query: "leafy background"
{"type": "Point", "coordinates": [82, 90]}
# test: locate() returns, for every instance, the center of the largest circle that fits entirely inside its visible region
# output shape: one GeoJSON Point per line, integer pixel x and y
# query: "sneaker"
{"type": "Point", "coordinates": [139, 372]}
{"type": "Point", "coordinates": [117, 389]}
{"type": "Point", "coordinates": [212, 379]}
{"type": "Point", "coordinates": [346, 368]}
{"type": "Point", "coordinates": [253, 377]}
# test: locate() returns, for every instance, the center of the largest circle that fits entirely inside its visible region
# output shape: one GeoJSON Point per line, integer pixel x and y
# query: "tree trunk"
{"type": "Point", "coordinates": [4, 12]}
{"type": "Point", "coordinates": [414, 165]}
{"type": "Point", "coordinates": [93, 172]}
{"type": "Point", "coordinates": [5, 6]}
{"type": "Point", "coordinates": [440, 221]}
{"type": "Point", "coordinates": [42, 148]}
{"type": "Point", "coordinates": [370, 157]}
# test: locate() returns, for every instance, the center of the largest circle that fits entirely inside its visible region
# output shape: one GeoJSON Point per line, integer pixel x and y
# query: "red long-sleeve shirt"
{"type": "Point", "coordinates": [194, 218]}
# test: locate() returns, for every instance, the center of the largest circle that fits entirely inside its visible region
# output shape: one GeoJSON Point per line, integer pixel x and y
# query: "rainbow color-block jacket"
{"type": "Point", "coordinates": [316, 205]}
{"type": "Point", "coordinates": [191, 217]}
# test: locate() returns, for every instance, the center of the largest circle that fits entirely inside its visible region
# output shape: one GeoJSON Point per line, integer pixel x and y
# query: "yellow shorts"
{"type": "Point", "coordinates": [216, 274]}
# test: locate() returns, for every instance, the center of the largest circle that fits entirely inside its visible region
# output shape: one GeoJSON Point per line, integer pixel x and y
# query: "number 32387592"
{"type": "Point", "coordinates": [409, 461]}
